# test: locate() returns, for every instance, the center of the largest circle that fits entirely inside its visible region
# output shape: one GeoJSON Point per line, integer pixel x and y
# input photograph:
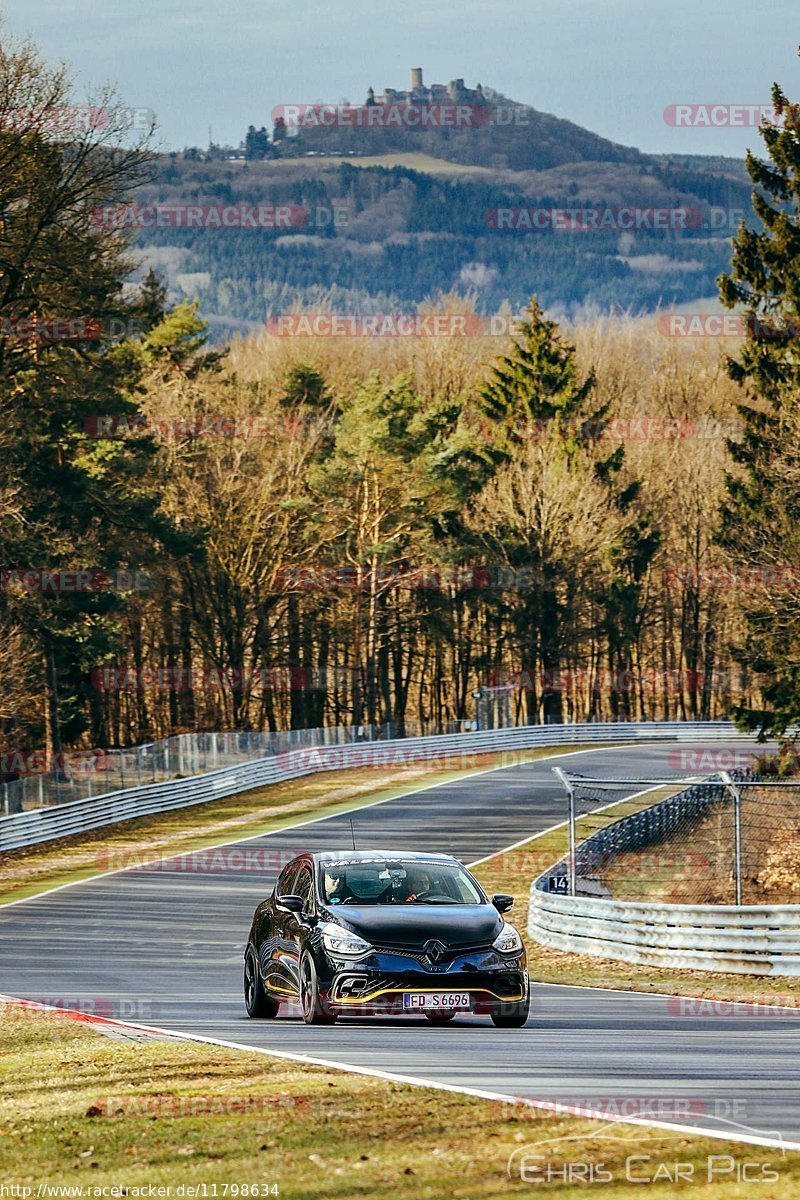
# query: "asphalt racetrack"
{"type": "Point", "coordinates": [163, 947]}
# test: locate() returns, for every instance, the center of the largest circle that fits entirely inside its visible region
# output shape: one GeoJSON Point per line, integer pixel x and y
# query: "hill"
{"type": "Point", "coordinates": [484, 211]}
{"type": "Point", "coordinates": [475, 127]}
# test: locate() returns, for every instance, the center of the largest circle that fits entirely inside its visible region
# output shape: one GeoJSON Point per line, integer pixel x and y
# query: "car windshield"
{"type": "Point", "coordinates": [396, 881]}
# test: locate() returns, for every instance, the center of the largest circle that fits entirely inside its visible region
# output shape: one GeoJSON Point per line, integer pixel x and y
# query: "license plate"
{"type": "Point", "coordinates": [438, 1001]}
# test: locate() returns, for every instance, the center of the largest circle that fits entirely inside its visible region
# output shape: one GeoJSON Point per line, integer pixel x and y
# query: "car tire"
{"type": "Point", "coordinates": [256, 1000]}
{"type": "Point", "coordinates": [511, 1014]}
{"type": "Point", "coordinates": [440, 1018]}
{"type": "Point", "coordinates": [314, 1005]}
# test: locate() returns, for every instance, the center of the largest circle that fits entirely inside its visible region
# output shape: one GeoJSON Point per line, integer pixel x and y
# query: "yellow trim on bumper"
{"type": "Point", "coordinates": [281, 991]}
{"type": "Point", "coordinates": [409, 991]}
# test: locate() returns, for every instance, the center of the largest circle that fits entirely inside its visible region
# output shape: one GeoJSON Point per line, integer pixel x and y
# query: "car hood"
{"type": "Point", "coordinates": [414, 924]}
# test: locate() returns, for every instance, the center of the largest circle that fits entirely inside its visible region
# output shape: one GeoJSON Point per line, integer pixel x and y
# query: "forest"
{"type": "Point", "coordinates": [588, 519]}
{"type": "Point", "coordinates": [381, 237]}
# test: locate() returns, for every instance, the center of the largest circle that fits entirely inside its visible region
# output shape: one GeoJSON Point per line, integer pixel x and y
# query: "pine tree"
{"type": "Point", "coordinates": [535, 396]}
{"type": "Point", "coordinates": [762, 514]}
{"type": "Point", "coordinates": [535, 390]}
{"type": "Point", "coordinates": [151, 302]}
{"type": "Point", "coordinates": [84, 503]}
{"type": "Point", "coordinates": [304, 384]}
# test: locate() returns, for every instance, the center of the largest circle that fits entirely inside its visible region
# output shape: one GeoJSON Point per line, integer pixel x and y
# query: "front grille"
{"type": "Point", "coordinates": [421, 957]}
{"type": "Point", "coordinates": [406, 951]}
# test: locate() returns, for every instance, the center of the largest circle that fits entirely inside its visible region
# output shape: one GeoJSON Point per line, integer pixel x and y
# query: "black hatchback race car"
{"type": "Point", "coordinates": [384, 932]}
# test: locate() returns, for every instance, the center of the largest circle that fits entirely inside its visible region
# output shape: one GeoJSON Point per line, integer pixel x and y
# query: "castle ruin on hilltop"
{"type": "Point", "coordinates": [437, 93]}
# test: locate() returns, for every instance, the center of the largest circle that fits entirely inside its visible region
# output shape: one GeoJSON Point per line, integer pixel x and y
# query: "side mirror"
{"type": "Point", "coordinates": [502, 903]}
{"type": "Point", "coordinates": [293, 904]}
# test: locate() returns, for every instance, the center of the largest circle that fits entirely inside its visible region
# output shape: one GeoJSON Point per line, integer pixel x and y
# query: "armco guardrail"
{"type": "Point", "coordinates": [79, 816]}
{"type": "Point", "coordinates": [752, 940]}
{"type": "Point", "coordinates": [81, 774]}
{"type": "Point", "coordinates": [738, 939]}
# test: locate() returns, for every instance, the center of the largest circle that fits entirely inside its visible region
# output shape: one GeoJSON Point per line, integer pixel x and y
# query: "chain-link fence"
{"type": "Point", "coordinates": [30, 782]}
{"type": "Point", "coordinates": [731, 838]}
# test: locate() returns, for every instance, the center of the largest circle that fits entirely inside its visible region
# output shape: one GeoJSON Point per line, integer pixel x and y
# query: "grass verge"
{"type": "Point", "coordinates": [38, 868]}
{"type": "Point", "coordinates": [411, 159]}
{"type": "Point", "coordinates": [80, 1110]}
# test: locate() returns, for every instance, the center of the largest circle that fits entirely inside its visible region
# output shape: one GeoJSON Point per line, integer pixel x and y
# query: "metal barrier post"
{"type": "Point", "coordinates": [571, 864]}
{"type": "Point", "coordinates": [737, 832]}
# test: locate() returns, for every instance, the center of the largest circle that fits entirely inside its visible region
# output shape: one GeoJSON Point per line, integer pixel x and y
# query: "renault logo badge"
{"type": "Point", "coordinates": [435, 951]}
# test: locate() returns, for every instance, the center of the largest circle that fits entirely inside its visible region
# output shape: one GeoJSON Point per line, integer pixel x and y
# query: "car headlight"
{"type": "Point", "coordinates": [508, 940]}
{"type": "Point", "coordinates": [342, 941]}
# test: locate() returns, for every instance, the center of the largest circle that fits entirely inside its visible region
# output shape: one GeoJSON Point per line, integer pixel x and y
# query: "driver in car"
{"type": "Point", "coordinates": [418, 884]}
{"type": "Point", "coordinates": [336, 889]}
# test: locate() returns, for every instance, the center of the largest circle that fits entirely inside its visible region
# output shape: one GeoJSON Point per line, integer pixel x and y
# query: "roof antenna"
{"type": "Point", "coordinates": [352, 833]}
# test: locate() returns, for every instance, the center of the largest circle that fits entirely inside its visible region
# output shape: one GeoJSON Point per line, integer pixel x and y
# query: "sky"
{"type": "Point", "coordinates": [612, 66]}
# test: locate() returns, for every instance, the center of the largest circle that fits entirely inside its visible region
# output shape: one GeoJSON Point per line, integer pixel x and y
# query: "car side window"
{"type": "Point", "coordinates": [303, 887]}
{"type": "Point", "coordinates": [282, 887]}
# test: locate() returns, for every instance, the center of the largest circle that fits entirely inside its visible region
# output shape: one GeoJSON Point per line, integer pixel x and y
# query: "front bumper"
{"type": "Point", "coordinates": [378, 981]}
